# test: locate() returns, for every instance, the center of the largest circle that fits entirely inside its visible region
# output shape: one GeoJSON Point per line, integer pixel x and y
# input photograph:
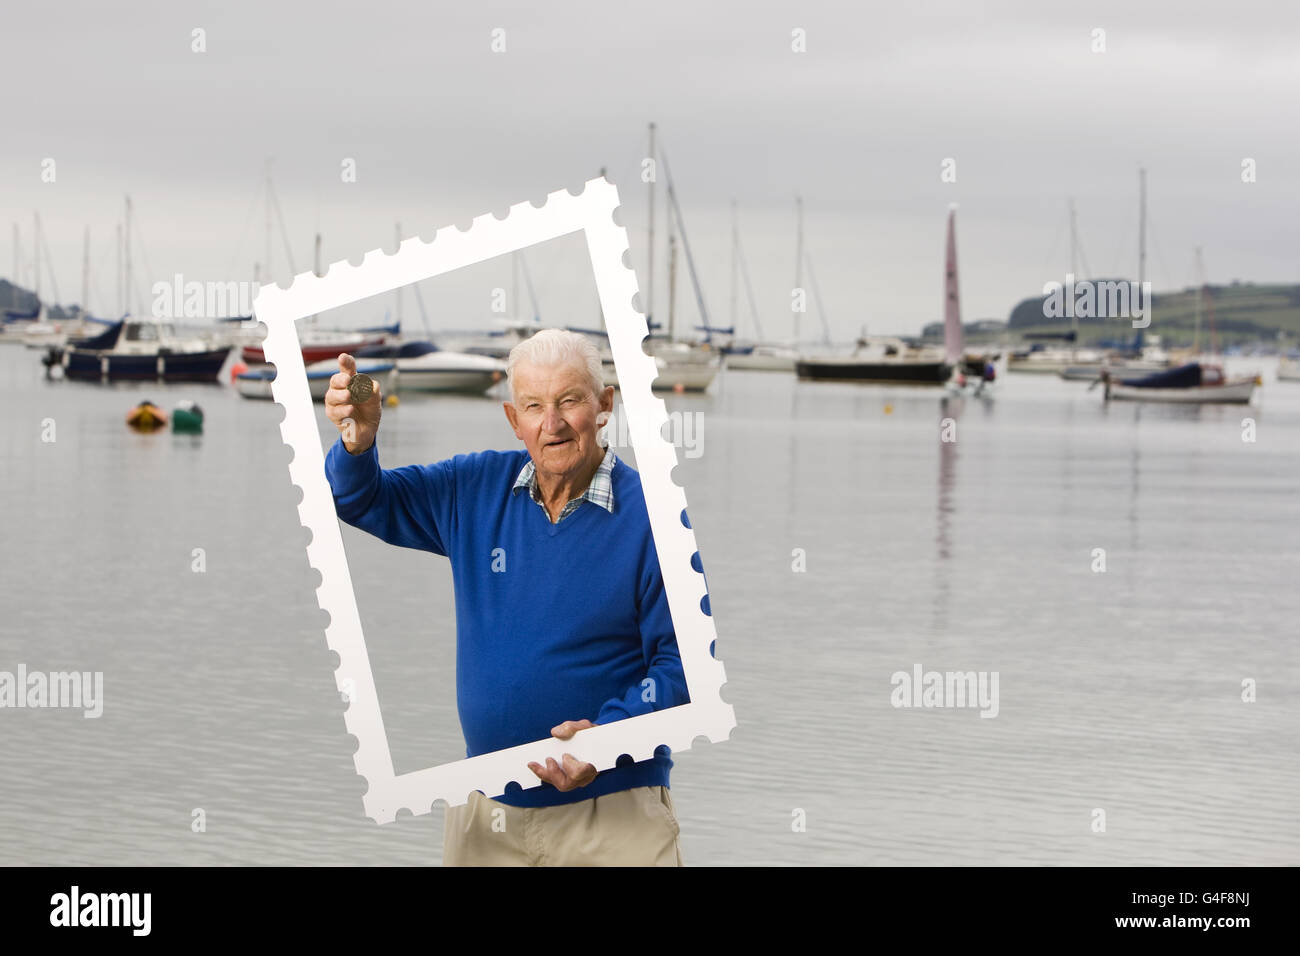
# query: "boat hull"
{"type": "Point", "coordinates": [254, 355]}
{"type": "Point", "coordinates": [449, 372]}
{"type": "Point", "coordinates": [447, 380]}
{"type": "Point", "coordinates": [167, 367]}
{"type": "Point", "coordinates": [256, 383]}
{"type": "Point", "coordinates": [762, 361]}
{"type": "Point", "coordinates": [873, 372]}
{"type": "Point", "coordinates": [673, 377]}
{"type": "Point", "coordinates": [1230, 393]}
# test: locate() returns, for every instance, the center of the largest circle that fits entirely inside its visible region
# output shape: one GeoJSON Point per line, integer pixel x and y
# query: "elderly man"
{"type": "Point", "coordinates": [561, 617]}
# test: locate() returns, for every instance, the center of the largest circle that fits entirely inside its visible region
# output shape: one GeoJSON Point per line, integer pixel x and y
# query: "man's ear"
{"type": "Point", "coordinates": [607, 399]}
{"type": "Point", "coordinates": [511, 413]}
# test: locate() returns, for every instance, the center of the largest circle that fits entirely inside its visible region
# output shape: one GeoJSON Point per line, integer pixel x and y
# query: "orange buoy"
{"type": "Point", "coordinates": [889, 409]}
{"type": "Point", "coordinates": [236, 370]}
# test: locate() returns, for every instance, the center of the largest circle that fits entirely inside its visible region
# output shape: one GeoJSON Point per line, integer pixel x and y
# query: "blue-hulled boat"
{"type": "Point", "coordinates": [140, 349]}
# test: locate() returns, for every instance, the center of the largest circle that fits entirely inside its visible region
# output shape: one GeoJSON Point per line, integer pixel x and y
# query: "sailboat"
{"type": "Point", "coordinates": [31, 326]}
{"type": "Point", "coordinates": [682, 366]}
{"type": "Point", "coordinates": [758, 355]}
{"type": "Point", "coordinates": [892, 361]}
{"type": "Point", "coordinates": [1145, 356]}
{"type": "Point", "coordinates": [1192, 383]}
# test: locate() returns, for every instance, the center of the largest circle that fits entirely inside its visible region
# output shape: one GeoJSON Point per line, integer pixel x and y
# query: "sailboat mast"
{"type": "Point", "coordinates": [650, 245]}
{"type": "Point", "coordinates": [1200, 294]}
{"type": "Point", "coordinates": [13, 285]}
{"type": "Point", "coordinates": [735, 245]}
{"type": "Point", "coordinates": [1209, 314]}
{"type": "Point", "coordinates": [121, 307]}
{"type": "Point", "coordinates": [677, 225]}
{"type": "Point", "coordinates": [266, 263]}
{"type": "Point", "coordinates": [798, 258]}
{"type": "Point", "coordinates": [1074, 274]}
{"type": "Point", "coordinates": [1142, 231]}
{"type": "Point", "coordinates": [126, 257]}
{"type": "Point", "coordinates": [1074, 241]}
{"type": "Point", "coordinates": [398, 291]}
{"type": "Point", "coordinates": [36, 254]}
{"type": "Point", "coordinates": [85, 273]}
{"type": "Point", "coordinates": [672, 282]}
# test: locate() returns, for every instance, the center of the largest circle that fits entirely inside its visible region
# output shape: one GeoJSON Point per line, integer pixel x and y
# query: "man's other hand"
{"type": "Point", "coordinates": [572, 774]}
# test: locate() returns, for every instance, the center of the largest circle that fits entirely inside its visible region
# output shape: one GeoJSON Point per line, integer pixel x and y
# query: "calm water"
{"type": "Point", "coordinates": [1118, 690]}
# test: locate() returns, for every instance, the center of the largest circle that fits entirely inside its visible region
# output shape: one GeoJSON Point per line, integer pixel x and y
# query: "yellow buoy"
{"type": "Point", "coordinates": [889, 409]}
{"type": "Point", "coordinates": [391, 401]}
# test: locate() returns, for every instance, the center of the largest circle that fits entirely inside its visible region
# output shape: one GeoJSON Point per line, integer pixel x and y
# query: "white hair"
{"type": "Point", "coordinates": [552, 347]}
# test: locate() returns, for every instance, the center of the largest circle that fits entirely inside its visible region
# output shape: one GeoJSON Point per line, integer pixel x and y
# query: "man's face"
{"type": "Point", "coordinates": [555, 415]}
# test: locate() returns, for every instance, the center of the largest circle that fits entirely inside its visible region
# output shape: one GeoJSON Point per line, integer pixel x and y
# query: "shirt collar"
{"type": "Point", "coordinates": [600, 491]}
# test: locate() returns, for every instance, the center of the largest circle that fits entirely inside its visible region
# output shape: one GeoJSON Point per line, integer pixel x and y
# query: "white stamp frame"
{"type": "Point", "coordinates": [592, 213]}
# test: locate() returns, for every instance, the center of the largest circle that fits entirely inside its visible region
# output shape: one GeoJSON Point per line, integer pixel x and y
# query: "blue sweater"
{"type": "Point", "coordinates": [554, 622]}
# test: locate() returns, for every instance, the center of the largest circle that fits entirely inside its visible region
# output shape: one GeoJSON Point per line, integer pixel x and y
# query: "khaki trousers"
{"type": "Point", "coordinates": [634, 827]}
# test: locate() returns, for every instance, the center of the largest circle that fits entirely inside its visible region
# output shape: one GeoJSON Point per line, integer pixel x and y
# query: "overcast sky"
{"type": "Point", "coordinates": [442, 128]}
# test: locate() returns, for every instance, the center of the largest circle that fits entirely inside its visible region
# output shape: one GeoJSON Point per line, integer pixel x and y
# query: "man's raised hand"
{"type": "Point", "coordinates": [357, 423]}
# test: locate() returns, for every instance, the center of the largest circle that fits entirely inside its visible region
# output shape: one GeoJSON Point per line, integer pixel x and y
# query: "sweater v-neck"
{"type": "Point", "coordinates": [555, 527]}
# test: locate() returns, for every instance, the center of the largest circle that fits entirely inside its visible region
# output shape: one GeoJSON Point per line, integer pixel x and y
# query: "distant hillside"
{"type": "Point", "coordinates": [978, 330]}
{"type": "Point", "coordinates": [1243, 312]}
{"type": "Point", "coordinates": [23, 300]}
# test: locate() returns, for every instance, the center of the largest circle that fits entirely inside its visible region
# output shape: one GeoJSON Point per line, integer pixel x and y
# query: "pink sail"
{"type": "Point", "coordinates": [952, 342]}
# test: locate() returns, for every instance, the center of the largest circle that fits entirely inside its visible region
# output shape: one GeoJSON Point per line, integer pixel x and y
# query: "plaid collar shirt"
{"type": "Point", "coordinates": [600, 491]}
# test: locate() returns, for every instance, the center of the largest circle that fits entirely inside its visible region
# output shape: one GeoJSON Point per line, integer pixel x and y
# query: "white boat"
{"type": "Point", "coordinates": [769, 358]}
{"type": "Point", "coordinates": [495, 343]}
{"type": "Point", "coordinates": [1189, 384]}
{"type": "Point", "coordinates": [1121, 371]}
{"type": "Point", "coordinates": [760, 354]}
{"type": "Point", "coordinates": [256, 382]}
{"type": "Point", "coordinates": [682, 367]}
{"type": "Point", "coordinates": [1051, 361]}
{"type": "Point", "coordinates": [424, 367]}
